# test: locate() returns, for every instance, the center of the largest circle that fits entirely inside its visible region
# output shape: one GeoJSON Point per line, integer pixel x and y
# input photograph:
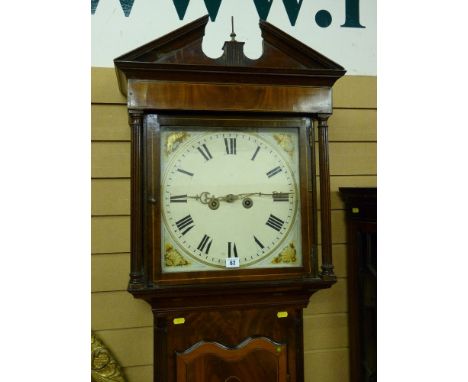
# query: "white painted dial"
{"type": "Point", "coordinates": [230, 195]}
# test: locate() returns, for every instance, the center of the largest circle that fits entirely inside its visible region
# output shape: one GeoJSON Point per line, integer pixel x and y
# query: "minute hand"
{"type": "Point", "coordinates": [232, 197]}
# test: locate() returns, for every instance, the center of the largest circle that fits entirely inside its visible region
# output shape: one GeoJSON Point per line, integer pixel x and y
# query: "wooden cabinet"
{"type": "Point", "coordinates": [361, 216]}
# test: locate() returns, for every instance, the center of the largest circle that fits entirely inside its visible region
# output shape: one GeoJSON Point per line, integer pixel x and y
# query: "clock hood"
{"type": "Point", "coordinates": [178, 56]}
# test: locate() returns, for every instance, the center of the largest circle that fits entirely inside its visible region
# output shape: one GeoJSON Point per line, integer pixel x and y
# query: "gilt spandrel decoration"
{"type": "Point", "coordinates": [287, 255]}
{"type": "Point", "coordinates": [286, 143]}
{"type": "Point", "coordinates": [173, 140]}
{"type": "Point", "coordinates": [172, 257]}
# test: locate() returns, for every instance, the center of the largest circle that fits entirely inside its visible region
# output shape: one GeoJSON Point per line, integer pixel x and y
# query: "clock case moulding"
{"type": "Point", "coordinates": [170, 81]}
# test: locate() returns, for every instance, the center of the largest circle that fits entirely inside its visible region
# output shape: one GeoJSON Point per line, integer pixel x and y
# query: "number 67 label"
{"type": "Point", "coordinates": [232, 262]}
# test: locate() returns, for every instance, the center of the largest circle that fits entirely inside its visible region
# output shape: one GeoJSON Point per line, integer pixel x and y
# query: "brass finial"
{"type": "Point", "coordinates": [233, 35]}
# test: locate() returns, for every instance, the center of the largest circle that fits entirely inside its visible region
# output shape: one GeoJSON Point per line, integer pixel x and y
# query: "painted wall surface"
{"type": "Point", "coordinates": [343, 30]}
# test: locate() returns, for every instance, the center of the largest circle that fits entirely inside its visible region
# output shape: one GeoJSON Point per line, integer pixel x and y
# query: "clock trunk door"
{"type": "Point", "coordinates": [259, 360]}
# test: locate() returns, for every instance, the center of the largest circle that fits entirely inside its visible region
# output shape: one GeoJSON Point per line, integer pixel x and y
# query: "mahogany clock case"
{"type": "Point", "coordinates": [228, 313]}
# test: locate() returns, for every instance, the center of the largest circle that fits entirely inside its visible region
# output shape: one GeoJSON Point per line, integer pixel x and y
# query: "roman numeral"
{"type": "Point", "coordinates": [232, 250]}
{"type": "Point", "coordinates": [259, 243]}
{"type": "Point", "coordinates": [205, 242]}
{"type": "Point", "coordinates": [185, 172]}
{"type": "Point", "coordinates": [230, 144]}
{"type": "Point", "coordinates": [273, 171]}
{"type": "Point", "coordinates": [255, 153]}
{"type": "Point", "coordinates": [280, 196]}
{"type": "Point", "coordinates": [274, 222]}
{"type": "Point", "coordinates": [205, 152]}
{"type": "Point", "coordinates": [178, 199]}
{"type": "Point", "coordinates": [185, 223]}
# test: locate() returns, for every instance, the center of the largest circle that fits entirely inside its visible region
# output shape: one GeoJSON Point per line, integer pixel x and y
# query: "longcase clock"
{"type": "Point", "coordinates": [224, 232]}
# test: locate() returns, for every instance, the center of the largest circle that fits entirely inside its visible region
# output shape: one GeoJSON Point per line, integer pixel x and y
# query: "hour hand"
{"type": "Point", "coordinates": [203, 198]}
{"type": "Point", "coordinates": [206, 198]}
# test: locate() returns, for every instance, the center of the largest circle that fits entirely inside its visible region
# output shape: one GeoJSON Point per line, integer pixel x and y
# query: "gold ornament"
{"type": "Point", "coordinates": [288, 255]}
{"type": "Point", "coordinates": [286, 143]}
{"type": "Point", "coordinates": [104, 367]}
{"type": "Point", "coordinates": [174, 140]}
{"type": "Point", "coordinates": [173, 258]}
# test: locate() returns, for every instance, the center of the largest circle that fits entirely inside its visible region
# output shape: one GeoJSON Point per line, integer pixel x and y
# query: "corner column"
{"type": "Point", "coordinates": [327, 272]}
{"type": "Point", "coordinates": [135, 119]}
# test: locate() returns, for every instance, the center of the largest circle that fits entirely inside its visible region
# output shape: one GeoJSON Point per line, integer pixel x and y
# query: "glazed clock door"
{"type": "Point", "coordinates": [230, 197]}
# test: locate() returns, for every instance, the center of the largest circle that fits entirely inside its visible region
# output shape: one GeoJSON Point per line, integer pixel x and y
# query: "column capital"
{"type": "Point", "coordinates": [135, 112]}
{"type": "Point", "coordinates": [322, 119]}
{"type": "Point", "coordinates": [135, 117]}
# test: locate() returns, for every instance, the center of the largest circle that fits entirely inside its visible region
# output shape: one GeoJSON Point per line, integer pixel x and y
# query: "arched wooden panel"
{"type": "Point", "coordinates": [256, 359]}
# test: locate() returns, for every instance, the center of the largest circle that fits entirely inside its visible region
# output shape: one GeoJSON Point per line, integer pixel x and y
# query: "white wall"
{"type": "Point", "coordinates": [354, 48]}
